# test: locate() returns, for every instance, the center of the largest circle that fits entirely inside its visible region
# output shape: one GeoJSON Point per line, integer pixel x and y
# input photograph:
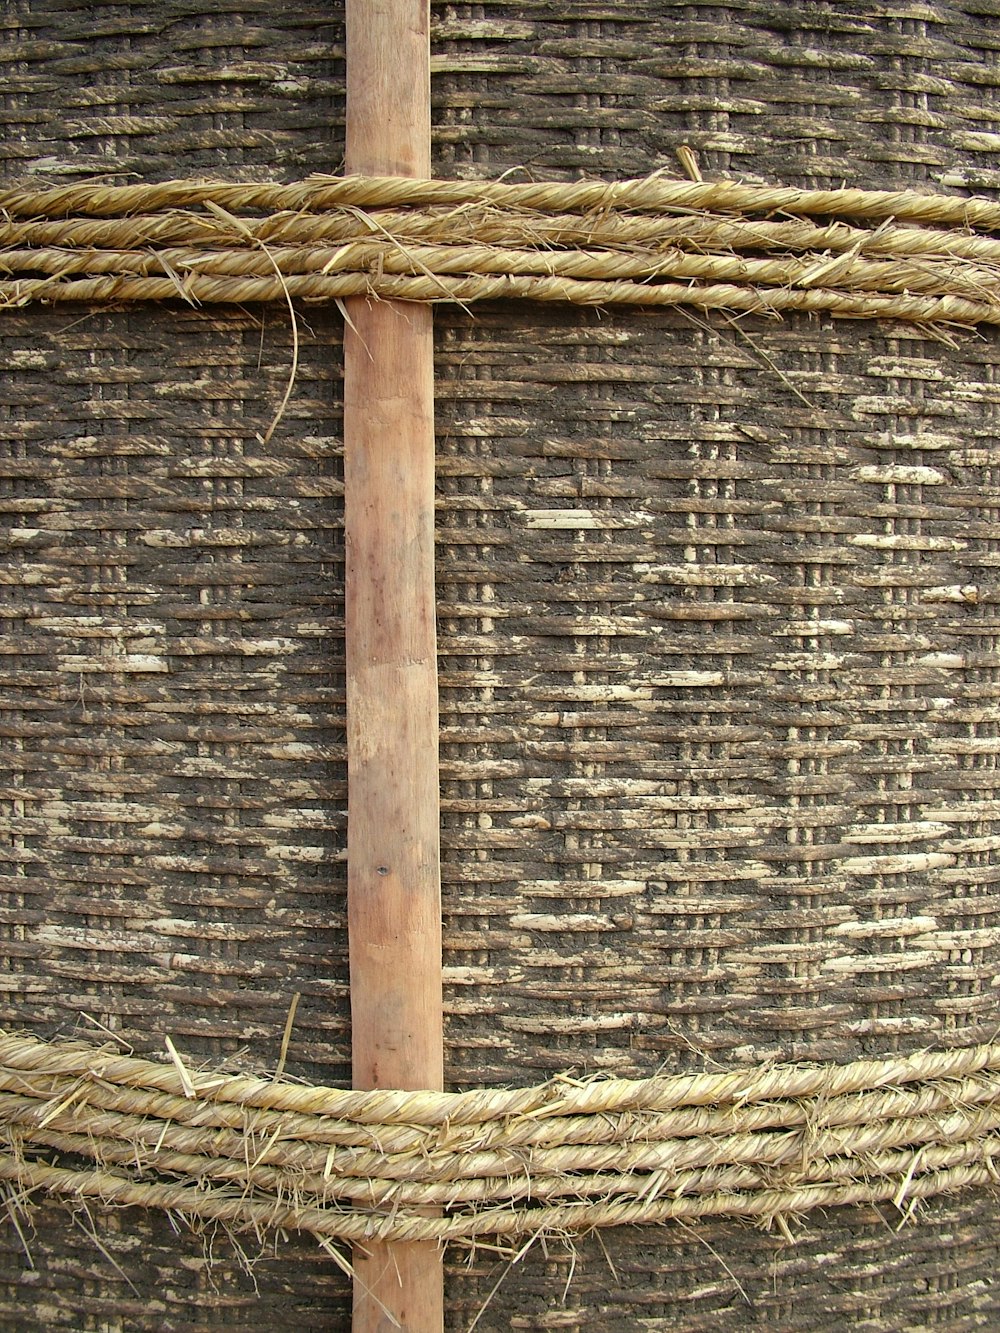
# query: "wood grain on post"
{"type": "Point", "coordinates": [394, 885]}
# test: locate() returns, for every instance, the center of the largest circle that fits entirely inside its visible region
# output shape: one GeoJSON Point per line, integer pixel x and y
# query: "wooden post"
{"type": "Point", "coordinates": [394, 880]}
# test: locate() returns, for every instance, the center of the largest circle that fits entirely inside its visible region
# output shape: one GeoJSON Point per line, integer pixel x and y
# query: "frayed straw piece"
{"type": "Point", "coordinates": [175, 278]}
{"type": "Point", "coordinates": [12, 1200]}
{"type": "Point", "coordinates": [186, 1084]}
{"type": "Point", "coordinates": [696, 1235]}
{"type": "Point", "coordinates": [241, 227]}
{"type": "Point", "coordinates": [90, 1231]}
{"type": "Point", "coordinates": [508, 1269]}
{"type": "Point", "coordinates": [287, 1036]}
{"type": "Point", "coordinates": [394, 241]}
{"type": "Point", "coordinates": [115, 1036]}
{"type": "Point", "coordinates": [352, 326]}
{"type": "Point", "coordinates": [349, 1271]}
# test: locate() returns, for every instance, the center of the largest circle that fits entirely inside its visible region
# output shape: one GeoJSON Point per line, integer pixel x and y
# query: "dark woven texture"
{"type": "Point", "coordinates": [718, 640]}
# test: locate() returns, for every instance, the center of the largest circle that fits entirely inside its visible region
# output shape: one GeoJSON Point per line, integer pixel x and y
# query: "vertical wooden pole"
{"type": "Point", "coordinates": [394, 885]}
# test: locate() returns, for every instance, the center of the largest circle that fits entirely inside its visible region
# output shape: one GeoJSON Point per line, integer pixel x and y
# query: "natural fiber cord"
{"type": "Point", "coordinates": [649, 242]}
{"type": "Point", "coordinates": [563, 1156]}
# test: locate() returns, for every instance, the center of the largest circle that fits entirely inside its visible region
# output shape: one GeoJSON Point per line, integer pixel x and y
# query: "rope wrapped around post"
{"type": "Point", "coordinates": [929, 259]}
{"type": "Point", "coordinates": [563, 1157]}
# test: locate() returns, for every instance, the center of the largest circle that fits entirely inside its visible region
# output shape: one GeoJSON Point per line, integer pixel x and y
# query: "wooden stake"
{"type": "Point", "coordinates": [394, 882]}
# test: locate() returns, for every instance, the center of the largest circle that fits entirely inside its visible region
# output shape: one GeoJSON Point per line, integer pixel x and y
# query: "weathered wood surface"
{"type": "Point", "coordinates": [394, 887]}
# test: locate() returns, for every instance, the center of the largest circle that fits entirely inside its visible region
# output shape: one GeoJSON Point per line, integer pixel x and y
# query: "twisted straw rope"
{"type": "Point", "coordinates": [560, 1156]}
{"type": "Point", "coordinates": [649, 242]}
{"type": "Point", "coordinates": [651, 194]}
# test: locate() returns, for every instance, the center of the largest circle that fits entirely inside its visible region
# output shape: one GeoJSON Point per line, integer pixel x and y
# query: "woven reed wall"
{"type": "Point", "coordinates": [718, 637]}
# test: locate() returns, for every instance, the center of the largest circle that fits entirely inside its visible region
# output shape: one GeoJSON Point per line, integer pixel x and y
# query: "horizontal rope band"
{"type": "Point", "coordinates": [472, 223]}
{"type": "Point", "coordinates": [561, 1156]}
{"type": "Point", "coordinates": [649, 194]}
{"type": "Point", "coordinates": [651, 242]}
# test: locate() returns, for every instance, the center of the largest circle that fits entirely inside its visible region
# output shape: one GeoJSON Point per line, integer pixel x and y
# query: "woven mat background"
{"type": "Point", "coordinates": [718, 640]}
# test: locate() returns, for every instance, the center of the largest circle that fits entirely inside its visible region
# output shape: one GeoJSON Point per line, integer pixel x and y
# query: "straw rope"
{"type": "Point", "coordinates": [650, 242]}
{"type": "Point", "coordinates": [561, 1156]}
{"type": "Point", "coordinates": [650, 194]}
